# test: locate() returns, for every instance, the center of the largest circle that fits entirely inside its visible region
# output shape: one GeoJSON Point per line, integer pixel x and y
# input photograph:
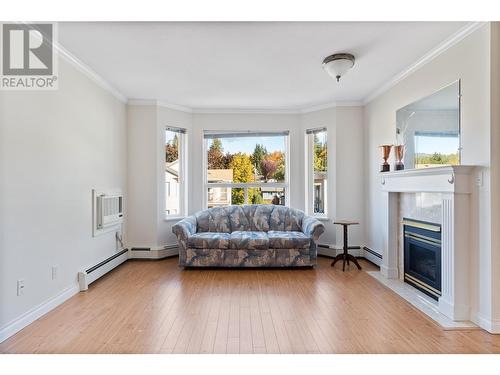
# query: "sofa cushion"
{"type": "Point", "coordinates": [202, 221]}
{"type": "Point", "coordinates": [249, 240]}
{"type": "Point", "coordinates": [260, 219]}
{"type": "Point", "coordinates": [208, 240]}
{"type": "Point", "coordinates": [219, 221]}
{"type": "Point", "coordinates": [293, 220]}
{"type": "Point", "coordinates": [278, 218]}
{"type": "Point", "coordinates": [237, 218]}
{"type": "Point", "coordinates": [288, 240]}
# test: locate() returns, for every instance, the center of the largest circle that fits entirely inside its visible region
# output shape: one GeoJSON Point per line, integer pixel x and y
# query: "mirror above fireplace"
{"type": "Point", "coordinates": [429, 129]}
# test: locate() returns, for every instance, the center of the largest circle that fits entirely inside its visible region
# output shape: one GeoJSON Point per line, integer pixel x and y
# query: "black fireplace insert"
{"type": "Point", "coordinates": [422, 256]}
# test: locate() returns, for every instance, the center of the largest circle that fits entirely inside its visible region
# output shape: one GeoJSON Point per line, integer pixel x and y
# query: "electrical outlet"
{"type": "Point", "coordinates": [20, 287]}
{"type": "Point", "coordinates": [54, 272]}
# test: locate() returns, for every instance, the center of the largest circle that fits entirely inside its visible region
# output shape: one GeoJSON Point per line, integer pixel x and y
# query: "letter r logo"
{"type": "Point", "coordinates": [27, 49]}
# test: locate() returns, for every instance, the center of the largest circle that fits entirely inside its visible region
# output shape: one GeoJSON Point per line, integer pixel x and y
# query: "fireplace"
{"type": "Point", "coordinates": [422, 256]}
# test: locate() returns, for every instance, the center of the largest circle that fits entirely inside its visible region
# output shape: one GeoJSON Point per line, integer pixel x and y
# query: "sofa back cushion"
{"type": "Point", "coordinates": [252, 217]}
{"type": "Point", "coordinates": [202, 221]}
{"type": "Point", "coordinates": [219, 221]}
{"type": "Point", "coordinates": [258, 215]}
{"type": "Point", "coordinates": [213, 220]}
{"type": "Point", "coordinates": [278, 218]}
{"type": "Point", "coordinates": [293, 220]}
{"type": "Point", "coordinates": [237, 218]}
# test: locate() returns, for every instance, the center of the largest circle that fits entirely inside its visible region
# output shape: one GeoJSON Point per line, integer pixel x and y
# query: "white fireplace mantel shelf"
{"type": "Point", "coordinates": [448, 179]}
{"type": "Point", "coordinates": [455, 184]}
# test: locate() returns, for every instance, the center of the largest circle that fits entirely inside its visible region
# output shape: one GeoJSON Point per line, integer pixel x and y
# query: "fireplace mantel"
{"type": "Point", "coordinates": [455, 184]}
{"type": "Point", "coordinates": [448, 179]}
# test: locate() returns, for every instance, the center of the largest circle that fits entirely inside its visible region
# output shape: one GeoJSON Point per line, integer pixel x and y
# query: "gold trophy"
{"type": "Point", "coordinates": [398, 153]}
{"type": "Point", "coordinates": [386, 150]}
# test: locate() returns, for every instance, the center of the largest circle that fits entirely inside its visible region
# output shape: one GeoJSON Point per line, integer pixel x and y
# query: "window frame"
{"type": "Point", "coordinates": [309, 166]}
{"type": "Point", "coordinates": [206, 185]}
{"type": "Point", "coordinates": [182, 157]}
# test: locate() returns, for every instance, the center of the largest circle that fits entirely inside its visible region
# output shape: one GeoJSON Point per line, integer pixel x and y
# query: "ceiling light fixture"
{"type": "Point", "coordinates": [338, 64]}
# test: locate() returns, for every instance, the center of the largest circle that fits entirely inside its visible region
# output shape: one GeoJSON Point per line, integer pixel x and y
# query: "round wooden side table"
{"type": "Point", "coordinates": [345, 256]}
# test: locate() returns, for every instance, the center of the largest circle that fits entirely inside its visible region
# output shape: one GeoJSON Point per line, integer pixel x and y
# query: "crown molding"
{"type": "Point", "coordinates": [276, 111]}
{"type": "Point", "coordinates": [176, 107]}
{"type": "Point", "coordinates": [142, 102]}
{"type": "Point", "coordinates": [433, 53]}
{"type": "Point", "coordinates": [340, 104]}
{"type": "Point", "coordinates": [159, 103]}
{"type": "Point", "coordinates": [318, 107]}
{"type": "Point", "coordinates": [279, 111]}
{"type": "Point", "coordinates": [89, 72]}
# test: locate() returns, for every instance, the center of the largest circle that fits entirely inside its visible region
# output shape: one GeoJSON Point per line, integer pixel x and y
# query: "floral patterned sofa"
{"type": "Point", "coordinates": [248, 236]}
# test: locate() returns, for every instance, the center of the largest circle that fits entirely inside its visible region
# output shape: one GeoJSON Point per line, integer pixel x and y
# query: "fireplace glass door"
{"type": "Point", "coordinates": [422, 257]}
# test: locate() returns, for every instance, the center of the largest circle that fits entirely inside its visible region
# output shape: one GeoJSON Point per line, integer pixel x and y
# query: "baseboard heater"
{"type": "Point", "coordinates": [93, 273]}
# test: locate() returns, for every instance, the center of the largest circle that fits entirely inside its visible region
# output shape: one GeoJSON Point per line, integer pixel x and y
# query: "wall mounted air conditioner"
{"type": "Point", "coordinates": [107, 211]}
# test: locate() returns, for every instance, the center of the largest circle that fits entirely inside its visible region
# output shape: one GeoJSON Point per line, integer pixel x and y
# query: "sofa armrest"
{"type": "Point", "coordinates": [184, 228]}
{"type": "Point", "coordinates": [312, 227]}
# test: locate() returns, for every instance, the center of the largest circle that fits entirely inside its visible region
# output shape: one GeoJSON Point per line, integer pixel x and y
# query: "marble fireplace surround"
{"type": "Point", "coordinates": [453, 184]}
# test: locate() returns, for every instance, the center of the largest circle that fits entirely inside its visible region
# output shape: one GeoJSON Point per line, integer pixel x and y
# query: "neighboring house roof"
{"type": "Point", "coordinates": [267, 189]}
{"type": "Point", "coordinates": [320, 175]}
{"type": "Point", "coordinates": [220, 175]}
{"type": "Point", "coordinates": [173, 168]}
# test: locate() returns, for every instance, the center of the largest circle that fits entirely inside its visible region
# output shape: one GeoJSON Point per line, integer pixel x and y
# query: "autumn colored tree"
{"type": "Point", "coordinates": [279, 158]}
{"type": "Point", "coordinates": [242, 167]}
{"type": "Point", "coordinates": [216, 157]}
{"type": "Point", "coordinates": [172, 149]}
{"type": "Point", "coordinates": [320, 154]}
{"type": "Point", "coordinates": [268, 168]}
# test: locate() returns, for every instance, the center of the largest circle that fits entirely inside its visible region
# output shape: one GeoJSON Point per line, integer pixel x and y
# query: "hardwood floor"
{"type": "Point", "coordinates": [155, 307]}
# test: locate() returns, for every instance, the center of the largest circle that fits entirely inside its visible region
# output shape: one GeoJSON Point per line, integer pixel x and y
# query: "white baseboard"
{"type": "Point", "coordinates": [84, 278]}
{"type": "Point", "coordinates": [490, 325]}
{"type": "Point", "coordinates": [334, 250]}
{"type": "Point", "coordinates": [30, 316]}
{"type": "Point", "coordinates": [329, 252]}
{"type": "Point", "coordinates": [166, 251]}
{"type": "Point", "coordinates": [372, 258]}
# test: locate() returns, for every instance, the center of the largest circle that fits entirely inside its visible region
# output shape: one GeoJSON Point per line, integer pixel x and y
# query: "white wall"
{"type": "Point", "coordinates": [55, 147]}
{"type": "Point", "coordinates": [345, 171]}
{"type": "Point", "coordinates": [142, 202]}
{"type": "Point", "coordinates": [468, 60]}
{"type": "Point", "coordinates": [495, 171]}
{"type": "Point", "coordinates": [146, 224]}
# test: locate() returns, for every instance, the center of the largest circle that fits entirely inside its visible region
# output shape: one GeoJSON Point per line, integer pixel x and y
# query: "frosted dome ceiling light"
{"type": "Point", "coordinates": [338, 64]}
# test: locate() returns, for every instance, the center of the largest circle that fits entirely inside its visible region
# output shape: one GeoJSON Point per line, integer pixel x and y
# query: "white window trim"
{"type": "Point", "coordinates": [183, 178]}
{"type": "Point", "coordinates": [285, 185]}
{"type": "Point", "coordinates": [309, 167]}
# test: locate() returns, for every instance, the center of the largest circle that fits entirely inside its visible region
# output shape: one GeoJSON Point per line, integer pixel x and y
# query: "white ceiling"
{"type": "Point", "coordinates": [249, 65]}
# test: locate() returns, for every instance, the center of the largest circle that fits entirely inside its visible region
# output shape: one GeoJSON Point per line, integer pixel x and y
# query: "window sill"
{"type": "Point", "coordinates": [173, 218]}
{"type": "Point", "coordinates": [322, 218]}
